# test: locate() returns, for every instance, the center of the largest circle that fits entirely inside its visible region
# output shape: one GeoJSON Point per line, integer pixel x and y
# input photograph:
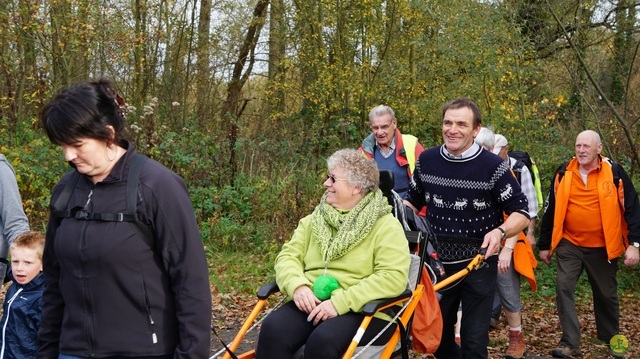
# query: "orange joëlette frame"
{"type": "Point", "coordinates": [414, 297]}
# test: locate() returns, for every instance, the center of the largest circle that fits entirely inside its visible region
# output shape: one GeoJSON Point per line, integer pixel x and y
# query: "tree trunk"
{"type": "Point", "coordinates": [312, 48]}
{"type": "Point", "coordinates": [139, 52]}
{"type": "Point", "coordinates": [622, 47]}
{"type": "Point", "coordinates": [82, 40]}
{"type": "Point", "coordinates": [203, 77]}
{"type": "Point", "coordinates": [59, 11]}
{"type": "Point", "coordinates": [233, 106]}
{"type": "Point", "coordinates": [277, 49]}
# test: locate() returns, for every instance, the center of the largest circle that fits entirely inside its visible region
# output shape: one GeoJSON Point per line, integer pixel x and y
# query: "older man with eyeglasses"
{"type": "Point", "coordinates": [389, 148]}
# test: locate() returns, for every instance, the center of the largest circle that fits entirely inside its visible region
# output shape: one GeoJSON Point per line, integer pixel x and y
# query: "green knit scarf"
{"type": "Point", "coordinates": [337, 232]}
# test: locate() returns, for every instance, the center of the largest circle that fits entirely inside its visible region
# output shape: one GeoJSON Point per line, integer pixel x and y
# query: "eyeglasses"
{"type": "Point", "coordinates": [383, 127]}
{"type": "Point", "coordinates": [334, 179]}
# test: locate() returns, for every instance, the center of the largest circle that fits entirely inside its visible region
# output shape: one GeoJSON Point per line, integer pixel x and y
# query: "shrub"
{"type": "Point", "coordinates": [38, 165]}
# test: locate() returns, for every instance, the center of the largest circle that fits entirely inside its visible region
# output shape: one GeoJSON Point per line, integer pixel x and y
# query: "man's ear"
{"type": "Point", "coordinates": [475, 131]}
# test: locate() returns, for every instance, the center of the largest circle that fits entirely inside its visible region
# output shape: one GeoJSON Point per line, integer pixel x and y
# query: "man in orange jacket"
{"type": "Point", "coordinates": [592, 217]}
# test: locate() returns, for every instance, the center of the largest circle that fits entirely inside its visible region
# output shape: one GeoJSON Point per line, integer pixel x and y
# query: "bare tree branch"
{"type": "Point", "coordinates": [626, 128]}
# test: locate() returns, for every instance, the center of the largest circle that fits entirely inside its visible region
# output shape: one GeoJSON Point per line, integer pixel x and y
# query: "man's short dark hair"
{"type": "Point", "coordinates": [462, 103]}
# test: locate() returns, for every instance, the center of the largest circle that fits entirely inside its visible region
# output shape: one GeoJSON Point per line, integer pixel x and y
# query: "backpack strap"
{"type": "Point", "coordinates": [132, 200]}
{"type": "Point", "coordinates": [517, 169]}
{"type": "Point", "coordinates": [60, 208]}
{"type": "Point", "coordinates": [615, 169]}
{"type": "Point", "coordinates": [519, 164]}
{"type": "Point", "coordinates": [562, 170]}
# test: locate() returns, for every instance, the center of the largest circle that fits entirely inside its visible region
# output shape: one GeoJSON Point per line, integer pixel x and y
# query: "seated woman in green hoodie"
{"type": "Point", "coordinates": [349, 251]}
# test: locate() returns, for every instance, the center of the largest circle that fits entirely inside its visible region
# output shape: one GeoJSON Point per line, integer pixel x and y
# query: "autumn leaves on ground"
{"type": "Point", "coordinates": [540, 320]}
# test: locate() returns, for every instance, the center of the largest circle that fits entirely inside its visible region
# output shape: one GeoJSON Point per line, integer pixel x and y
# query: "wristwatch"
{"type": "Point", "coordinates": [503, 232]}
{"type": "Point", "coordinates": [636, 244]}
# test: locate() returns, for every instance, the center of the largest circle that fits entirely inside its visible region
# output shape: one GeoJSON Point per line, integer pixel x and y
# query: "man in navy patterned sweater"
{"type": "Point", "coordinates": [468, 192]}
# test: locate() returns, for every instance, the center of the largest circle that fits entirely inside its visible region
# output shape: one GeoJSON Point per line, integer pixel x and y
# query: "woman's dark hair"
{"type": "Point", "coordinates": [84, 111]}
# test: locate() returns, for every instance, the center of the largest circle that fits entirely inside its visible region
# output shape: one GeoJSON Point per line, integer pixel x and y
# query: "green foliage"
{"type": "Point", "coordinates": [628, 281]}
{"type": "Point", "coordinates": [257, 212]}
{"type": "Point", "coordinates": [38, 165]}
{"type": "Point", "coordinates": [240, 272]}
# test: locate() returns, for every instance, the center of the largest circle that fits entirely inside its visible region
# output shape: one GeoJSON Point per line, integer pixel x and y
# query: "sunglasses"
{"type": "Point", "coordinates": [334, 179]}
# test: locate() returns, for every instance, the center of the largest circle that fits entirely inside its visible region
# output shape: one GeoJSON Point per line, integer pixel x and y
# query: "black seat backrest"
{"type": "Point", "coordinates": [386, 184]}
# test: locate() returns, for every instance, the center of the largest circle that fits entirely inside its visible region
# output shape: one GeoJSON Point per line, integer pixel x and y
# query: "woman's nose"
{"type": "Point", "coordinates": [68, 152]}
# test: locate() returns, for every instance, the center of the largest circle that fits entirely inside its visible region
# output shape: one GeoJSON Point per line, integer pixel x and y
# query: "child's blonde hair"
{"type": "Point", "coordinates": [30, 239]}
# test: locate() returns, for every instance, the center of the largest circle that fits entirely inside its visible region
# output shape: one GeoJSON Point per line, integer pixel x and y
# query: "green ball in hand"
{"type": "Point", "coordinates": [324, 286]}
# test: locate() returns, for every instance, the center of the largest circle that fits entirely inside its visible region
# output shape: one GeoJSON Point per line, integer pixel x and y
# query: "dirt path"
{"type": "Point", "coordinates": [542, 331]}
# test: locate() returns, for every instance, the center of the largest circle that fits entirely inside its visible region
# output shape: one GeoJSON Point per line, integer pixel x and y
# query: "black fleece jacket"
{"type": "Point", "coordinates": [107, 291]}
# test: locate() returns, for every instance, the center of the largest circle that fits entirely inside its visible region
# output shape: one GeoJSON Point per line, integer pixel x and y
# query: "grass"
{"type": "Point", "coordinates": [240, 272]}
{"type": "Point", "coordinates": [628, 282]}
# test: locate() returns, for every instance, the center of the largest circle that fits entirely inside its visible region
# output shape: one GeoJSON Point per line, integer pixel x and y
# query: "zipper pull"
{"type": "Point", "coordinates": [88, 200]}
{"type": "Point", "coordinates": [14, 297]}
{"type": "Point", "coordinates": [154, 337]}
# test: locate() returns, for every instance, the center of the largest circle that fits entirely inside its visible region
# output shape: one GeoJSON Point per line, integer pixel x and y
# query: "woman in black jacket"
{"type": "Point", "coordinates": [116, 289]}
